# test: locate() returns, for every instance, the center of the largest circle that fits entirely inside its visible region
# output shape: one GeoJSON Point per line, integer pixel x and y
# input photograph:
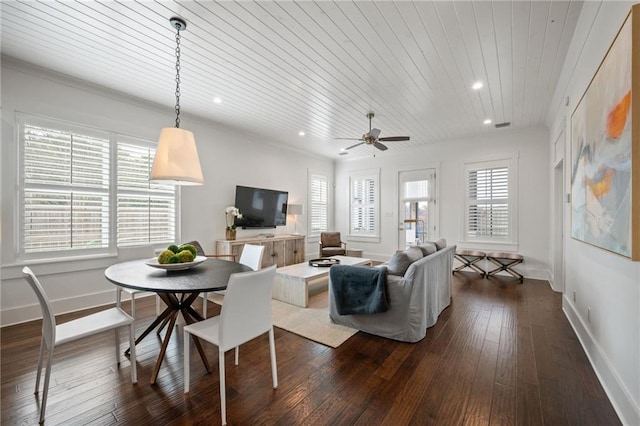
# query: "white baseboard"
{"type": "Point", "coordinates": [620, 397]}
{"type": "Point", "coordinates": [17, 315]}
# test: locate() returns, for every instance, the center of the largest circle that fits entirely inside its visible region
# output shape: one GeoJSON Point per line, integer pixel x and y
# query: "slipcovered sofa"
{"type": "Point", "coordinates": [418, 290]}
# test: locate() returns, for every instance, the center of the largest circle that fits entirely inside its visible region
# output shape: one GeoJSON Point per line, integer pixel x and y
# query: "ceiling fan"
{"type": "Point", "coordinates": [371, 138]}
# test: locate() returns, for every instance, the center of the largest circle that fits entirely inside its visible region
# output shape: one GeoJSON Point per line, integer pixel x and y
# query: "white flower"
{"type": "Point", "coordinates": [231, 212]}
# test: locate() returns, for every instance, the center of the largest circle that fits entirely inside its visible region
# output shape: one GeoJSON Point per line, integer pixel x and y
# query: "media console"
{"type": "Point", "coordinates": [279, 250]}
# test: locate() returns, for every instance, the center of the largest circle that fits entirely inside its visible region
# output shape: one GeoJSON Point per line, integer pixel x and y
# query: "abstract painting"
{"type": "Point", "coordinates": [604, 142]}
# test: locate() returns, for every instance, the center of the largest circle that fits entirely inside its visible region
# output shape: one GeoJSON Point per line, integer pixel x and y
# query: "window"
{"type": "Point", "coordinates": [319, 204]}
{"type": "Point", "coordinates": [364, 204]}
{"type": "Point", "coordinates": [65, 191]}
{"type": "Point", "coordinates": [489, 201]}
{"type": "Point", "coordinates": [146, 211]}
{"type": "Point", "coordinates": [70, 177]}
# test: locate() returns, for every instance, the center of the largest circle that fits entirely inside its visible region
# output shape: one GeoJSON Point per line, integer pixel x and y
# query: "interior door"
{"type": "Point", "coordinates": [558, 228]}
{"type": "Point", "coordinates": [416, 207]}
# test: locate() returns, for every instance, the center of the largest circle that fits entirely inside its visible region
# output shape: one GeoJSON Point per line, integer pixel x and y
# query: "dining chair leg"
{"type": "Point", "coordinates": [118, 297]}
{"type": "Point", "coordinates": [117, 345]}
{"type": "Point", "coordinates": [237, 353]}
{"type": "Point", "coordinates": [223, 399]}
{"type": "Point", "coordinates": [39, 366]}
{"type": "Point", "coordinates": [133, 305]}
{"type": "Point", "coordinates": [45, 392]}
{"type": "Point", "coordinates": [157, 305]}
{"type": "Point", "coordinates": [205, 300]}
{"type": "Point", "coordinates": [272, 350]}
{"type": "Point", "coordinates": [187, 361]}
{"type": "Point", "coordinates": [132, 352]}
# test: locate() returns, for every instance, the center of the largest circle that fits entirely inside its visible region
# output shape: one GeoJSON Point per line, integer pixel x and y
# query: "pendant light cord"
{"type": "Point", "coordinates": [177, 108]}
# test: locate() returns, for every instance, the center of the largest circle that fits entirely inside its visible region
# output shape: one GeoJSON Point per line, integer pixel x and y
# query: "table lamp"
{"type": "Point", "coordinates": [295, 210]}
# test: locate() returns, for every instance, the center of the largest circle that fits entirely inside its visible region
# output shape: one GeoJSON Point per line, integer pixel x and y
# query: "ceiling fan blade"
{"type": "Point", "coordinates": [353, 146]}
{"type": "Point", "coordinates": [394, 138]}
{"type": "Point", "coordinates": [374, 133]}
{"type": "Point", "coordinates": [349, 139]}
{"type": "Point", "coordinates": [380, 146]}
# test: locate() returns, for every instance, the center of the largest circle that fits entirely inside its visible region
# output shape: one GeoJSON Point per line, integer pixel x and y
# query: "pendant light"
{"type": "Point", "coordinates": [176, 159]}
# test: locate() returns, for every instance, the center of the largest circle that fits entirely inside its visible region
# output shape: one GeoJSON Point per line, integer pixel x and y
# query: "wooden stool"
{"type": "Point", "coordinates": [505, 262]}
{"type": "Point", "coordinates": [469, 258]}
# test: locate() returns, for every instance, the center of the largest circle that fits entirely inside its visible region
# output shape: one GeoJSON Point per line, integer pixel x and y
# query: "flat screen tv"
{"type": "Point", "coordinates": [261, 208]}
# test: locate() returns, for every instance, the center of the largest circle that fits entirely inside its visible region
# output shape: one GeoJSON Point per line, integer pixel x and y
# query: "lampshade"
{"type": "Point", "coordinates": [177, 158]}
{"type": "Point", "coordinates": [295, 209]}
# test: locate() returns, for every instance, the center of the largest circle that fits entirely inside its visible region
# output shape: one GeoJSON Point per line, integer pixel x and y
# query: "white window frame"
{"type": "Point", "coordinates": [511, 241]}
{"type": "Point", "coordinates": [23, 119]}
{"type": "Point", "coordinates": [317, 207]}
{"type": "Point", "coordinates": [374, 233]}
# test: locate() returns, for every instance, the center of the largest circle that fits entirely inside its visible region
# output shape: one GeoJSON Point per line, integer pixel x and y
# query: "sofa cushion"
{"type": "Point", "coordinates": [399, 263]}
{"type": "Point", "coordinates": [441, 243]}
{"type": "Point", "coordinates": [427, 248]}
{"type": "Point", "coordinates": [414, 253]}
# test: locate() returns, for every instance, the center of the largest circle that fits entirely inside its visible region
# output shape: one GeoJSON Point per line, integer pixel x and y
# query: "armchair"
{"type": "Point", "coordinates": [331, 244]}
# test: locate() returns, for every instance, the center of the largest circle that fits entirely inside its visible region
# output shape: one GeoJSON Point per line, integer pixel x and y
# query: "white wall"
{"type": "Point", "coordinates": [605, 283]}
{"type": "Point", "coordinates": [529, 145]}
{"type": "Point", "coordinates": [229, 158]}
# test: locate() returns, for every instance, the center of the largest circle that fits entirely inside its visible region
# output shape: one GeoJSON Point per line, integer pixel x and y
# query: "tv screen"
{"type": "Point", "coordinates": [261, 208]}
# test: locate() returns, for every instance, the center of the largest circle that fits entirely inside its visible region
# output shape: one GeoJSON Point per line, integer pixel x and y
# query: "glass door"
{"type": "Point", "coordinates": [416, 196]}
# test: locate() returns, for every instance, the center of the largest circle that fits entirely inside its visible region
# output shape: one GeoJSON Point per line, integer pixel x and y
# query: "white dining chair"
{"type": "Point", "coordinates": [132, 253]}
{"type": "Point", "coordinates": [251, 256]}
{"type": "Point", "coordinates": [245, 315]}
{"type": "Point", "coordinates": [54, 335]}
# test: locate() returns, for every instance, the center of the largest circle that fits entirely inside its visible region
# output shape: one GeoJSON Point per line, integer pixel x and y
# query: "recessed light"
{"type": "Point", "coordinates": [487, 121]}
{"type": "Point", "coordinates": [477, 85]}
{"type": "Point", "coordinates": [217, 100]}
{"type": "Point", "coordinates": [301, 133]}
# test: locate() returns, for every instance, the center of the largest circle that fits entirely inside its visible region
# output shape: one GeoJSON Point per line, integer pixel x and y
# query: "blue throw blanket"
{"type": "Point", "coordinates": [359, 289]}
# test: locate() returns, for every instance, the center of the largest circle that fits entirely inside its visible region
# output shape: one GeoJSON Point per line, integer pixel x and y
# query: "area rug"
{"type": "Point", "coordinates": [311, 323]}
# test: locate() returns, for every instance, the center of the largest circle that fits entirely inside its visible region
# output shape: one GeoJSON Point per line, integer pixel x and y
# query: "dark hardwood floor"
{"type": "Point", "coordinates": [502, 353]}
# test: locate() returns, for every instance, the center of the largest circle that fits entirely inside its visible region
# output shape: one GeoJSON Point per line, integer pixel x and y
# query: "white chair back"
{"type": "Point", "coordinates": [48, 319]}
{"type": "Point", "coordinates": [246, 312]}
{"type": "Point", "coordinates": [252, 256]}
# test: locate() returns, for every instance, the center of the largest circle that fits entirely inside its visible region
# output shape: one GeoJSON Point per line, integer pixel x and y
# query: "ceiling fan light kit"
{"type": "Point", "coordinates": [372, 138]}
{"type": "Point", "coordinates": [176, 160]}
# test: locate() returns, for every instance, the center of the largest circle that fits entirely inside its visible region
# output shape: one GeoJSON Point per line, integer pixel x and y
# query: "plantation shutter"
{"type": "Point", "coordinates": [66, 188]}
{"type": "Point", "coordinates": [146, 211]}
{"type": "Point", "coordinates": [318, 194]}
{"type": "Point", "coordinates": [487, 206]}
{"type": "Point", "coordinates": [364, 205]}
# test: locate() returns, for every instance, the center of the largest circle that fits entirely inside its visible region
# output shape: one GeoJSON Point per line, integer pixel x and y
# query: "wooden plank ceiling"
{"type": "Point", "coordinates": [319, 67]}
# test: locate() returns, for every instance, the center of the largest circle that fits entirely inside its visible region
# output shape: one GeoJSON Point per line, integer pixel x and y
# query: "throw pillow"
{"type": "Point", "coordinates": [441, 243]}
{"type": "Point", "coordinates": [399, 263]}
{"type": "Point", "coordinates": [414, 253]}
{"type": "Point", "coordinates": [427, 248]}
